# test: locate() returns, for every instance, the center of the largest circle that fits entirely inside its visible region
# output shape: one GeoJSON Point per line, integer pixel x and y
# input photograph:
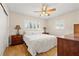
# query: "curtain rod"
{"type": "Point", "coordinates": [3, 9]}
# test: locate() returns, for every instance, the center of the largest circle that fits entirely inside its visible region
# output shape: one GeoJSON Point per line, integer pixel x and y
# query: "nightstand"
{"type": "Point", "coordinates": [16, 39]}
{"type": "Point", "coordinates": [45, 33]}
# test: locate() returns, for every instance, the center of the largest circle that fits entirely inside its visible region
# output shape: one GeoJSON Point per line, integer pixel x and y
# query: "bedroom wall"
{"type": "Point", "coordinates": [63, 24]}
{"type": "Point", "coordinates": [4, 25]}
{"type": "Point", "coordinates": [19, 19]}
{"type": "Point", "coordinates": [59, 25]}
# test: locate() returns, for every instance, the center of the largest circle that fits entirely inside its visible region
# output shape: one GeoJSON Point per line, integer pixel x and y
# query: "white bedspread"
{"type": "Point", "coordinates": [39, 43]}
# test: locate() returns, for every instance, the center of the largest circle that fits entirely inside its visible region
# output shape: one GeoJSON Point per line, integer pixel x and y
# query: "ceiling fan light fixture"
{"type": "Point", "coordinates": [46, 14]}
{"type": "Point", "coordinates": [43, 13]}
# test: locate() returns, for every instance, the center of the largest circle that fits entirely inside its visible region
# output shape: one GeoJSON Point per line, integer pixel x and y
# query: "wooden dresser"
{"type": "Point", "coordinates": [68, 45]}
{"type": "Point", "coordinates": [45, 33]}
{"type": "Point", "coordinates": [16, 39]}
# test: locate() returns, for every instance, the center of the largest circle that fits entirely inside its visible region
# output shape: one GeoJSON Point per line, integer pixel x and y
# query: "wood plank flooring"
{"type": "Point", "coordinates": [21, 50]}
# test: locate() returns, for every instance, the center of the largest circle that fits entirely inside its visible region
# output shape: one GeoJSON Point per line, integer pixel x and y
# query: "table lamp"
{"type": "Point", "coordinates": [17, 28]}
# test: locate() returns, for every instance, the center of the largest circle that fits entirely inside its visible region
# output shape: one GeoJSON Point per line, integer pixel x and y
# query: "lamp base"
{"type": "Point", "coordinates": [17, 34]}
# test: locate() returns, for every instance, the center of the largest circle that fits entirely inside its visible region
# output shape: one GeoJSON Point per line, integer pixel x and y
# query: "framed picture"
{"type": "Point", "coordinates": [37, 25]}
{"type": "Point", "coordinates": [30, 25]}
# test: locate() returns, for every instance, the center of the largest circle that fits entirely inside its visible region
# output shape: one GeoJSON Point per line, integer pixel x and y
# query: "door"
{"type": "Point", "coordinates": [76, 28]}
{"type": "Point", "coordinates": [3, 30]}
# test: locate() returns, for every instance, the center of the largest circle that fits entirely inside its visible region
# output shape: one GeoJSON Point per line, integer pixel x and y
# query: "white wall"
{"type": "Point", "coordinates": [67, 19]}
{"type": "Point", "coordinates": [3, 31]}
{"type": "Point", "coordinates": [19, 19]}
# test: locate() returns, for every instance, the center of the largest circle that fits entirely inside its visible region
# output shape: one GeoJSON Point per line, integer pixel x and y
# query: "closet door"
{"type": "Point", "coordinates": [76, 28]}
{"type": "Point", "coordinates": [3, 30]}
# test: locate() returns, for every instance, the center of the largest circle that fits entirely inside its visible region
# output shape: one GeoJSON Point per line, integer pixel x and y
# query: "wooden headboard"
{"type": "Point", "coordinates": [76, 28]}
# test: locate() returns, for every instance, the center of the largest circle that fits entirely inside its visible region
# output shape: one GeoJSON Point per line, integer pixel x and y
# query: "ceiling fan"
{"type": "Point", "coordinates": [45, 10]}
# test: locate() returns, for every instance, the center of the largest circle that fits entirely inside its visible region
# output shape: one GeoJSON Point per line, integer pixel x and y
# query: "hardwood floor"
{"type": "Point", "coordinates": [21, 50]}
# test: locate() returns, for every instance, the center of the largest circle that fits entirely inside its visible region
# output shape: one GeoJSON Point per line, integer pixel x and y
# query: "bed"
{"type": "Point", "coordinates": [38, 43]}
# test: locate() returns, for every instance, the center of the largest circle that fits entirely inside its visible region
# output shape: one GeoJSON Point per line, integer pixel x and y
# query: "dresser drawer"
{"type": "Point", "coordinates": [16, 39]}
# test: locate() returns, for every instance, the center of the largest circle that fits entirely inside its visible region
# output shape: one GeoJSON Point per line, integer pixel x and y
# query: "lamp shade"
{"type": "Point", "coordinates": [17, 27]}
{"type": "Point", "coordinates": [44, 27]}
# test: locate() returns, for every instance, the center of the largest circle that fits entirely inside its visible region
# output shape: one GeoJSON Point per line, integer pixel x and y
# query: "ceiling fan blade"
{"type": "Point", "coordinates": [37, 11]}
{"type": "Point", "coordinates": [44, 7]}
{"type": "Point", "coordinates": [50, 10]}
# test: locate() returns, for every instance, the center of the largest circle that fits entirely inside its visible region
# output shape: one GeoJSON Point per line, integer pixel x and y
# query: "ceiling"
{"type": "Point", "coordinates": [28, 8]}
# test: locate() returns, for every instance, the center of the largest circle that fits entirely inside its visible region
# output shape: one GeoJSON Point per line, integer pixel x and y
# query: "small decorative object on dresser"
{"type": "Point", "coordinates": [16, 39]}
{"type": "Point", "coordinates": [44, 28]}
{"type": "Point", "coordinates": [17, 28]}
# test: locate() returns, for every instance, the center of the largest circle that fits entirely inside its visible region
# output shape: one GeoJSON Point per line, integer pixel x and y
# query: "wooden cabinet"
{"type": "Point", "coordinates": [45, 33]}
{"type": "Point", "coordinates": [68, 46]}
{"type": "Point", "coordinates": [16, 39]}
